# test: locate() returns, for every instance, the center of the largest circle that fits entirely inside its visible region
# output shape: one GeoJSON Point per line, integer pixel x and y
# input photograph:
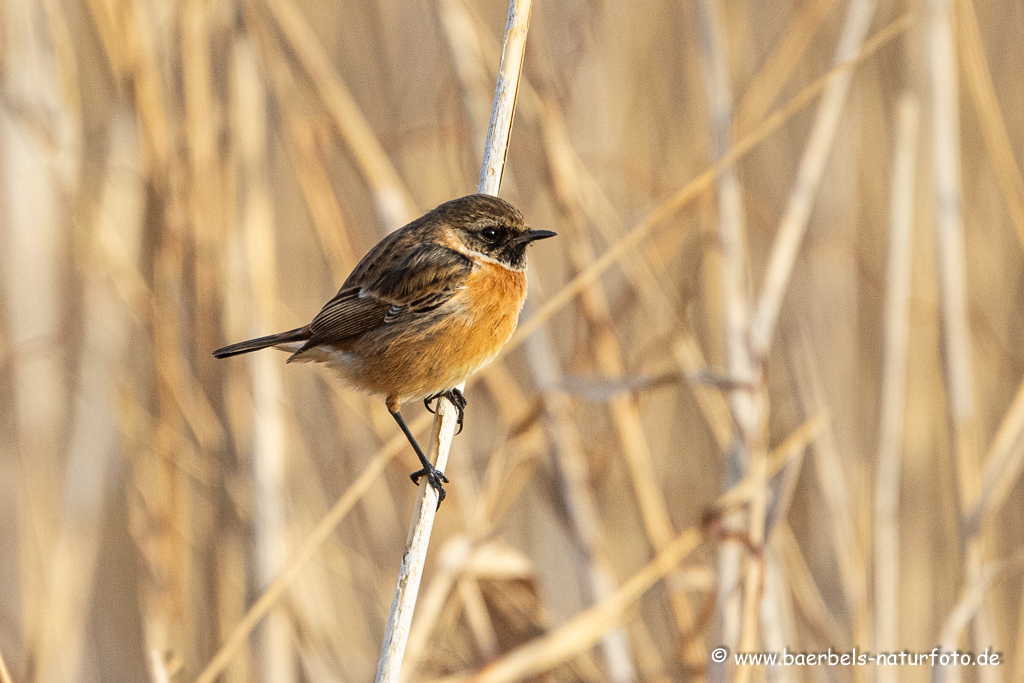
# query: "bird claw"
{"type": "Point", "coordinates": [435, 478]}
{"type": "Point", "coordinates": [456, 398]}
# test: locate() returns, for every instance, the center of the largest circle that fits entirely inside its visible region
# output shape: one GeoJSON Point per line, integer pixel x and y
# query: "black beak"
{"type": "Point", "coordinates": [532, 235]}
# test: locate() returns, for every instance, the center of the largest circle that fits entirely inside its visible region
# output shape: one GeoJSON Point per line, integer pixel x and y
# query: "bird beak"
{"type": "Point", "coordinates": [532, 235]}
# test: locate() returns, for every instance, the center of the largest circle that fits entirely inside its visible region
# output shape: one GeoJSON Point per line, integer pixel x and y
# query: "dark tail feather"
{"type": "Point", "coordinates": [298, 334]}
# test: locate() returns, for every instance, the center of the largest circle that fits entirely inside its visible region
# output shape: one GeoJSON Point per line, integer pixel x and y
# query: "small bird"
{"type": "Point", "coordinates": [428, 306]}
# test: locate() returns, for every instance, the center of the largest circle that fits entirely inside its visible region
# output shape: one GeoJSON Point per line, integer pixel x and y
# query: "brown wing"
{"type": "Point", "coordinates": [397, 280]}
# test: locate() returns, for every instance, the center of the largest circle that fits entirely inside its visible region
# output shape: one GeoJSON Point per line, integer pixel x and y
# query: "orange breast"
{"type": "Point", "coordinates": [492, 299]}
{"type": "Point", "coordinates": [408, 361]}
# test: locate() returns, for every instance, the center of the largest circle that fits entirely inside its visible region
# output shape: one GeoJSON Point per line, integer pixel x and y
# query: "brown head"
{"type": "Point", "coordinates": [489, 228]}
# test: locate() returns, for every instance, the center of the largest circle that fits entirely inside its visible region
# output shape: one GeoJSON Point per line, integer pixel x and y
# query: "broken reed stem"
{"type": "Point", "coordinates": [396, 635]}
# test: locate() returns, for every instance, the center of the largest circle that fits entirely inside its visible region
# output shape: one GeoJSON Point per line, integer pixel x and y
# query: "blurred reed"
{"type": "Point", "coordinates": [768, 390]}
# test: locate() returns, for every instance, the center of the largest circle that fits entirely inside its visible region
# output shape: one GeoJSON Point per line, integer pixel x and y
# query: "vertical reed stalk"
{"type": "Point", "coordinates": [610, 358]}
{"type": "Point", "coordinates": [396, 635]}
{"type": "Point", "coordinates": [746, 456]}
{"type": "Point", "coordinates": [894, 365]}
{"type": "Point", "coordinates": [33, 261]}
{"type": "Point", "coordinates": [793, 225]}
{"type": "Point", "coordinates": [744, 408]}
{"type": "Point", "coordinates": [573, 472]}
{"type": "Point", "coordinates": [785, 247]}
{"type": "Point", "coordinates": [394, 204]}
{"type": "Point", "coordinates": [91, 464]}
{"type": "Point", "coordinates": [993, 124]}
{"type": "Point", "coordinates": [277, 654]}
{"type": "Point", "coordinates": [951, 269]}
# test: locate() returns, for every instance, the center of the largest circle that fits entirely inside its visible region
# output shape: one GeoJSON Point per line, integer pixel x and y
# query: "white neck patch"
{"type": "Point", "coordinates": [477, 257]}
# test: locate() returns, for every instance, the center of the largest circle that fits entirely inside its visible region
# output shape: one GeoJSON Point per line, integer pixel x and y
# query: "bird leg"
{"type": "Point", "coordinates": [455, 397]}
{"type": "Point", "coordinates": [435, 477]}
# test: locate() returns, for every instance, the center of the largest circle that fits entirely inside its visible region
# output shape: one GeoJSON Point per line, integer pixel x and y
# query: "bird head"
{"type": "Point", "coordinates": [489, 228]}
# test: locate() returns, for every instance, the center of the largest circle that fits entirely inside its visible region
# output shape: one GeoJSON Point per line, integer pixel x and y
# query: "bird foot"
{"type": "Point", "coordinates": [435, 478]}
{"type": "Point", "coordinates": [455, 397]}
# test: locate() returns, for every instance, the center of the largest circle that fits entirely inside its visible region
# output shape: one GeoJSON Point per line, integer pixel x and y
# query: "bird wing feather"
{"type": "Point", "coordinates": [396, 281]}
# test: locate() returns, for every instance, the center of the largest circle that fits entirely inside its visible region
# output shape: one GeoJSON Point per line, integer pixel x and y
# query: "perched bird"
{"type": "Point", "coordinates": [427, 307]}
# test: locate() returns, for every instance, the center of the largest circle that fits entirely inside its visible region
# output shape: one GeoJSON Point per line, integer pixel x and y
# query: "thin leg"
{"type": "Point", "coordinates": [435, 477]}
{"type": "Point", "coordinates": [455, 397]}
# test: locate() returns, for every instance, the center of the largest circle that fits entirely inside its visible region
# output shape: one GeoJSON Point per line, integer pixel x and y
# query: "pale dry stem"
{"type": "Point", "coordinates": [897, 331]}
{"type": "Point", "coordinates": [495, 151]}
{"type": "Point", "coordinates": [395, 205]}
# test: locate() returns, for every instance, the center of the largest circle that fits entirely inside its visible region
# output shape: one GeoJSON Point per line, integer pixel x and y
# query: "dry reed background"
{"type": "Point", "coordinates": [176, 176]}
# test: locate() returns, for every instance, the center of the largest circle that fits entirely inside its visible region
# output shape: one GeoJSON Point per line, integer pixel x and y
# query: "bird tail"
{"type": "Point", "coordinates": [299, 334]}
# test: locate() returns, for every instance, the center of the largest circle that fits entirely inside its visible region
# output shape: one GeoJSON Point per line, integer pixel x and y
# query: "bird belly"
{"type": "Point", "coordinates": [346, 362]}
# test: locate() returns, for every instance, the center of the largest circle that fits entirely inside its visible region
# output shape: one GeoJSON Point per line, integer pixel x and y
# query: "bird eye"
{"type": "Point", "coordinates": [489, 234]}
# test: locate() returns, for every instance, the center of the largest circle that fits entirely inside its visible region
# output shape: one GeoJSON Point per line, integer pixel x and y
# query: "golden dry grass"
{"type": "Point", "coordinates": [771, 396]}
